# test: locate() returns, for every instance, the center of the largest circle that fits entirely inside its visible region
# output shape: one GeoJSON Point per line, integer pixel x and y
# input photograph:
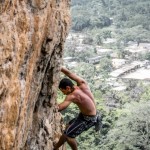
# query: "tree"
{"type": "Point", "coordinates": [106, 64]}
{"type": "Point", "coordinates": [131, 131]}
{"type": "Point", "coordinates": [98, 39]}
{"type": "Point", "coordinates": [79, 23]}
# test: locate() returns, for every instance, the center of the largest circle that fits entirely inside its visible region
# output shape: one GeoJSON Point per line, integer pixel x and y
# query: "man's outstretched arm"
{"type": "Point", "coordinates": [73, 76]}
{"type": "Point", "coordinates": [65, 103]}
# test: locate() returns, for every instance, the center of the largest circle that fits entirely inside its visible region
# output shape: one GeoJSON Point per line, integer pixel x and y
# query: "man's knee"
{"type": "Point", "coordinates": [64, 136]}
{"type": "Point", "coordinates": [69, 139]}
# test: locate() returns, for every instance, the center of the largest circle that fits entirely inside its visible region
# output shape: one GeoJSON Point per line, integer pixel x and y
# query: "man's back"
{"type": "Point", "coordinates": [84, 99]}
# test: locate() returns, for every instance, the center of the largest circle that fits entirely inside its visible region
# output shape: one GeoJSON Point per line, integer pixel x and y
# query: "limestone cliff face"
{"type": "Point", "coordinates": [32, 35]}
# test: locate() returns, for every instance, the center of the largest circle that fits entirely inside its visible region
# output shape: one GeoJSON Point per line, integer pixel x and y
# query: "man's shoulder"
{"type": "Point", "coordinates": [71, 96]}
{"type": "Point", "coordinates": [83, 87]}
{"type": "Point", "coordinates": [79, 91]}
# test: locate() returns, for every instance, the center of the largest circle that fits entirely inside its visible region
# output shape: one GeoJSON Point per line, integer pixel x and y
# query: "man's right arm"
{"type": "Point", "coordinates": [73, 76]}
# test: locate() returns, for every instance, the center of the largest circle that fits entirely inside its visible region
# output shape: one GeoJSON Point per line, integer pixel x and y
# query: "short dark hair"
{"type": "Point", "coordinates": [65, 82]}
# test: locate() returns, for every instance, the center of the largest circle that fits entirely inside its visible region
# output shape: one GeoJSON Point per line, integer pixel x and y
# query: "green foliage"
{"type": "Point", "coordinates": [145, 95]}
{"type": "Point", "coordinates": [145, 56]}
{"type": "Point", "coordinates": [84, 17]}
{"type": "Point", "coordinates": [82, 56]}
{"type": "Point", "coordinates": [98, 39]}
{"type": "Point", "coordinates": [100, 22]}
{"type": "Point", "coordinates": [137, 34]}
{"type": "Point", "coordinates": [79, 23]}
{"type": "Point", "coordinates": [125, 126]}
{"type": "Point", "coordinates": [88, 40]}
{"type": "Point", "coordinates": [85, 70]}
{"type": "Point", "coordinates": [131, 131]}
{"type": "Point", "coordinates": [118, 13]}
{"type": "Point", "coordinates": [60, 96]}
{"type": "Point", "coordinates": [106, 64]}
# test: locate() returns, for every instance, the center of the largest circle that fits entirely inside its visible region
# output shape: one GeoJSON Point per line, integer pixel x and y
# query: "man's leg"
{"type": "Point", "coordinates": [61, 141]}
{"type": "Point", "coordinates": [72, 143]}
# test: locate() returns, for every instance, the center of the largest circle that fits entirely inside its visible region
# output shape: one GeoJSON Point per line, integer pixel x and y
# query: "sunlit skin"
{"type": "Point", "coordinates": [80, 95]}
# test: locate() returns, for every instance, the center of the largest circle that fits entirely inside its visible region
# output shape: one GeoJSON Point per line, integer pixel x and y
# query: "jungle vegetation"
{"type": "Point", "coordinates": [126, 119]}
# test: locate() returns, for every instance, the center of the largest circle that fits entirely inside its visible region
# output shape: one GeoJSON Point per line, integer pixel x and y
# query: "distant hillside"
{"type": "Point", "coordinates": [127, 20]}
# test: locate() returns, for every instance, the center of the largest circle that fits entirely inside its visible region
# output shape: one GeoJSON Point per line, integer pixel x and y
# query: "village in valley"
{"type": "Point", "coordinates": [130, 67]}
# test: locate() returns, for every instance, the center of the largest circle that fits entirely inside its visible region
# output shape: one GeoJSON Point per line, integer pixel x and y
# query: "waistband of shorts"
{"type": "Point", "coordinates": [88, 116]}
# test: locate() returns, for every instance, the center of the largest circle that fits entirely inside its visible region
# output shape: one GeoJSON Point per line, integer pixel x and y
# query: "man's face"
{"type": "Point", "coordinates": [66, 91]}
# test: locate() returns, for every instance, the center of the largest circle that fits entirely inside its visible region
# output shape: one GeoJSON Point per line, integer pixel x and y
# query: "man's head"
{"type": "Point", "coordinates": [66, 86]}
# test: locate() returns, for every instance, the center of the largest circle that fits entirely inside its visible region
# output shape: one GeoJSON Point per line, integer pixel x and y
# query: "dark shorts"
{"type": "Point", "coordinates": [80, 124]}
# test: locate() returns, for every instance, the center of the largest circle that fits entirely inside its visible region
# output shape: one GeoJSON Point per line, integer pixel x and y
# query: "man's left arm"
{"type": "Point", "coordinates": [64, 104]}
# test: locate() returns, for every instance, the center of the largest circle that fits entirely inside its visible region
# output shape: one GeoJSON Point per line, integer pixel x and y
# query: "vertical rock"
{"type": "Point", "coordinates": [32, 36]}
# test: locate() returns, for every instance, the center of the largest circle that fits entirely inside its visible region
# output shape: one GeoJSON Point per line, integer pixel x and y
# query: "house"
{"type": "Point", "coordinates": [126, 69]}
{"type": "Point", "coordinates": [69, 59]}
{"type": "Point", "coordinates": [94, 60]}
{"type": "Point", "coordinates": [118, 62]}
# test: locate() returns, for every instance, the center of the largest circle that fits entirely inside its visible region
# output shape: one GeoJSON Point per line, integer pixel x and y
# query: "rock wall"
{"type": "Point", "coordinates": [32, 36]}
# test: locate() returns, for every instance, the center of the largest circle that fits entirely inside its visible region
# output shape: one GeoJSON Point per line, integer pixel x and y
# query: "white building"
{"type": "Point", "coordinates": [118, 62]}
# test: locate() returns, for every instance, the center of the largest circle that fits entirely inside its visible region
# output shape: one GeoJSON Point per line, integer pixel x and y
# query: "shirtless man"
{"type": "Point", "coordinates": [84, 99]}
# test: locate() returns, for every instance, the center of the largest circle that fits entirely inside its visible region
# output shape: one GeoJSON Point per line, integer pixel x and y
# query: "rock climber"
{"type": "Point", "coordinates": [82, 96]}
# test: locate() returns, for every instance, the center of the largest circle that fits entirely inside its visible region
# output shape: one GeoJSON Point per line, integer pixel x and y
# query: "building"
{"type": "Point", "coordinates": [94, 60]}
{"type": "Point", "coordinates": [118, 62]}
{"type": "Point", "coordinates": [69, 59]}
{"type": "Point", "coordinates": [126, 69]}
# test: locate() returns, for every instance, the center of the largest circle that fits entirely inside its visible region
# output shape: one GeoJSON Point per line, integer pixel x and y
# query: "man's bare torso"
{"type": "Point", "coordinates": [84, 99]}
